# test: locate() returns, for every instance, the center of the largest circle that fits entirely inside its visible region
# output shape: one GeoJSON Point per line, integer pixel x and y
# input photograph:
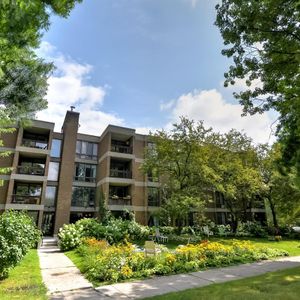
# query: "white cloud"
{"type": "Point", "coordinates": [67, 86]}
{"type": "Point", "coordinates": [167, 105]}
{"type": "Point", "coordinates": [210, 106]}
{"type": "Point", "coordinates": [145, 130]}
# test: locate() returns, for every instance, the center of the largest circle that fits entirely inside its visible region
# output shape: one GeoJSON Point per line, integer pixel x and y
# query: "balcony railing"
{"type": "Point", "coordinates": [26, 199]}
{"type": "Point", "coordinates": [35, 144]}
{"type": "Point", "coordinates": [86, 156]}
{"type": "Point", "coordinates": [120, 173]}
{"type": "Point", "coordinates": [31, 170]}
{"type": "Point", "coordinates": [83, 203]}
{"type": "Point", "coordinates": [119, 200]}
{"type": "Point", "coordinates": [84, 179]}
{"type": "Point", "coordinates": [121, 149]}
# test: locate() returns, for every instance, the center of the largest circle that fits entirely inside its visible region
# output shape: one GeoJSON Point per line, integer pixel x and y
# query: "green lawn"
{"type": "Point", "coordinates": [291, 246]}
{"type": "Point", "coordinates": [276, 286]}
{"type": "Point", "coordinates": [24, 281]}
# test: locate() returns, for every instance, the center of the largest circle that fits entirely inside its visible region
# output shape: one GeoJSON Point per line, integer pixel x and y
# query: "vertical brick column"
{"type": "Point", "coordinates": [64, 194]}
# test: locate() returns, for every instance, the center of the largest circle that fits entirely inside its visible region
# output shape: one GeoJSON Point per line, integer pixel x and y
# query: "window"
{"type": "Point", "coordinates": [56, 148]}
{"type": "Point", "coordinates": [86, 150]}
{"type": "Point", "coordinates": [153, 196]}
{"type": "Point", "coordinates": [50, 196]}
{"type": "Point", "coordinates": [31, 166]}
{"type": "Point", "coordinates": [85, 172]}
{"type": "Point", "coordinates": [28, 189]}
{"type": "Point", "coordinates": [83, 196]}
{"type": "Point", "coordinates": [53, 171]}
{"type": "Point", "coordinates": [27, 193]}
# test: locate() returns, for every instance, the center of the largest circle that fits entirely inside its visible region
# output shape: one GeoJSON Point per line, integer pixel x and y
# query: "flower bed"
{"type": "Point", "coordinates": [112, 263]}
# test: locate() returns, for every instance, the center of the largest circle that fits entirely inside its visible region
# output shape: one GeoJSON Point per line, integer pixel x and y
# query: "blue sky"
{"type": "Point", "coordinates": [142, 64]}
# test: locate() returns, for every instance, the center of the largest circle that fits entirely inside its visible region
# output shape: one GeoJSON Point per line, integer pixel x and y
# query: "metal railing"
{"type": "Point", "coordinates": [26, 199]}
{"type": "Point", "coordinates": [30, 170]}
{"type": "Point", "coordinates": [119, 201]}
{"type": "Point", "coordinates": [84, 179]}
{"type": "Point", "coordinates": [120, 173]}
{"type": "Point", "coordinates": [86, 156]}
{"type": "Point", "coordinates": [121, 149]}
{"type": "Point", "coordinates": [82, 203]}
{"type": "Point", "coordinates": [35, 144]}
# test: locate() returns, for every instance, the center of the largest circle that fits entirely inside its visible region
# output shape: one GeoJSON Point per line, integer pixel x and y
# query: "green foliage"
{"type": "Point", "coordinates": [263, 38]}
{"type": "Point", "coordinates": [193, 162]}
{"type": "Point", "coordinates": [69, 236]}
{"type": "Point", "coordinates": [18, 234]}
{"type": "Point", "coordinates": [114, 231]}
{"type": "Point", "coordinates": [104, 263]}
{"type": "Point", "coordinates": [280, 190]}
{"type": "Point", "coordinates": [23, 76]}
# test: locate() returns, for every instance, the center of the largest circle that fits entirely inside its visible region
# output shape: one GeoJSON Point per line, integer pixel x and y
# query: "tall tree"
{"type": "Point", "coordinates": [23, 76]}
{"type": "Point", "coordinates": [263, 39]}
{"type": "Point", "coordinates": [174, 157]}
{"type": "Point", "coordinates": [280, 192]}
{"type": "Point", "coordinates": [236, 162]}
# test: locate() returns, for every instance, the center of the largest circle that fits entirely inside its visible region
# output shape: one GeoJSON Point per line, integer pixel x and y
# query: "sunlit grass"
{"type": "Point", "coordinates": [271, 286]}
{"type": "Point", "coordinates": [24, 281]}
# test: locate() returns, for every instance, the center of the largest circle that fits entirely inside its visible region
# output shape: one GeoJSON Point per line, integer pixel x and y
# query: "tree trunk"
{"type": "Point", "coordinates": [274, 216]}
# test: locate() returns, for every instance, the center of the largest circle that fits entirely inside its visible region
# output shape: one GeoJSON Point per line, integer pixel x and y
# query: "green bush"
{"type": "Point", "coordinates": [18, 234]}
{"type": "Point", "coordinates": [69, 236]}
{"type": "Point", "coordinates": [114, 231]}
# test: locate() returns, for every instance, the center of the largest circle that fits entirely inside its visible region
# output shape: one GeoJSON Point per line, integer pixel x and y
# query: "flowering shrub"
{"type": "Point", "coordinates": [251, 229]}
{"type": "Point", "coordinates": [18, 234]}
{"type": "Point", "coordinates": [114, 263]}
{"type": "Point", "coordinates": [114, 231]}
{"type": "Point", "coordinates": [69, 236]}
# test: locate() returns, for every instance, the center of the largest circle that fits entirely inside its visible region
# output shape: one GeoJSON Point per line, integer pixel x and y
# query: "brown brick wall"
{"type": "Point", "coordinates": [104, 145]}
{"type": "Point", "coordinates": [139, 148]}
{"type": "Point", "coordinates": [140, 217]}
{"type": "Point", "coordinates": [138, 195]}
{"type": "Point", "coordinates": [64, 194]}
{"type": "Point", "coordinates": [10, 139]}
{"type": "Point", "coordinates": [103, 169]}
{"type": "Point", "coordinates": [137, 172]}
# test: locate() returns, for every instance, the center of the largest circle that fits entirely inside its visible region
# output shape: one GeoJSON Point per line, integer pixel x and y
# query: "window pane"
{"type": "Point", "coordinates": [95, 149]}
{"type": "Point", "coordinates": [83, 197]}
{"type": "Point", "coordinates": [56, 148]}
{"type": "Point", "coordinates": [90, 149]}
{"type": "Point", "coordinates": [50, 196]}
{"type": "Point", "coordinates": [78, 147]}
{"type": "Point", "coordinates": [83, 147]}
{"type": "Point", "coordinates": [35, 190]}
{"type": "Point", "coordinates": [53, 171]}
{"type": "Point", "coordinates": [22, 189]}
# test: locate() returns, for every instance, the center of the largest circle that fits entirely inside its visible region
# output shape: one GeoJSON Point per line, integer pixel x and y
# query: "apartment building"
{"type": "Point", "coordinates": [59, 177]}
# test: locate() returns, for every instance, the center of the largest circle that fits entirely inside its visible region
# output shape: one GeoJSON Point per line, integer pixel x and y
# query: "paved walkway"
{"type": "Point", "coordinates": [64, 281]}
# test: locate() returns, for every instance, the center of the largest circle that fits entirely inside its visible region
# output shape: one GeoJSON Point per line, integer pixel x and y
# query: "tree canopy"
{"type": "Point", "coordinates": [23, 76]}
{"type": "Point", "coordinates": [263, 40]}
{"type": "Point", "coordinates": [193, 163]}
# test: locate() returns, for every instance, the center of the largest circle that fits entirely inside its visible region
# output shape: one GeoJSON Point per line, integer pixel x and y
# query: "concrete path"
{"type": "Point", "coordinates": [64, 281]}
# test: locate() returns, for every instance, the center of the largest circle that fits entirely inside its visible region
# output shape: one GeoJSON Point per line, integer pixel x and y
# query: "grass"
{"type": "Point", "coordinates": [276, 286]}
{"type": "Point", "coordinates": [24, 281]}
{"type": "Point", "coordinates": [291, 246]}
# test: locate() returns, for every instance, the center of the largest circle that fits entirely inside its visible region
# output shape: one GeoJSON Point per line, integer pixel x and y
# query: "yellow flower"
{"type": "Point", "coordinates": [126, 271]}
